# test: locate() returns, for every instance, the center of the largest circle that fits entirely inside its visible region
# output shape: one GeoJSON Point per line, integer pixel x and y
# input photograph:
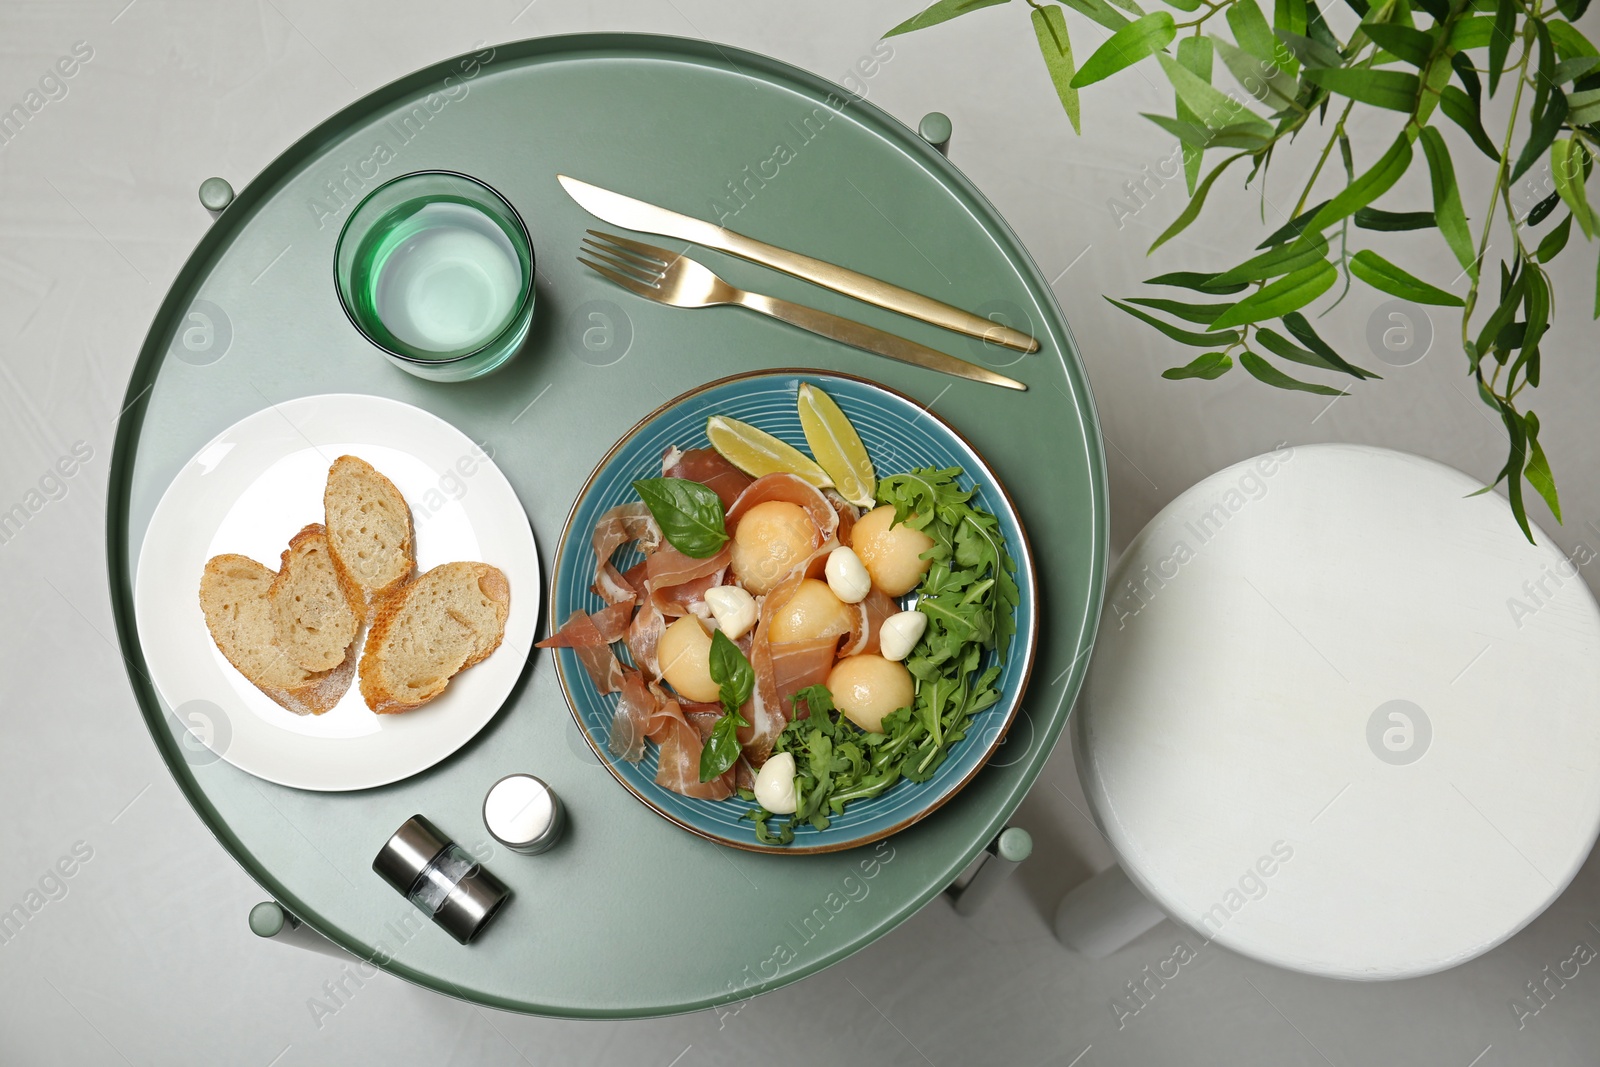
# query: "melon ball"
{"type": "Point", "coordinates": [813, 611]}
{"type": "Point", "coordinates": [890, 553]}
{"type": "Point", "coordinates": [868, 687]}
{"type": "Point", "coordinates": [770, 541]}
{"type": "Point", "coordinates": [685, 656]}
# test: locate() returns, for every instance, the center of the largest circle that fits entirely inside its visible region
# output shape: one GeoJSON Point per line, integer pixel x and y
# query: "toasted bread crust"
{"type": "Point", "coordinates": [343, 541]}
{"type": "Point", "coordinates": [229, 589]}
{"type": "Point", "coordinates": [377, 688]}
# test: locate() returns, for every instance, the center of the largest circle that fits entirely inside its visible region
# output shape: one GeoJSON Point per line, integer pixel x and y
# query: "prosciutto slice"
{"type": "Point", "coordinates": [631, 718]}
{"type": "Point", "coordinates": [580, 634]}
{"type": "Point", "coordinates": [870, 615]}
{"type": "Point", "coordinates": [679, 766]}
{"type": "Point", "coordinates": [797, 665]}
{"type": "Point", "coordinates": [612, 621]}
{"type": "Point", "coordinates": [685, 598]}
{"type": "Point", "coordinates": [667, 567]}
{"type": "Point", "coordinates": [790, 489]}
{"type": "Point", "coordinates": [706, 466]}
{"type": "Point", "coordinates": [643, 635]}
{"type": "Point", "coordinates": [618, 526]}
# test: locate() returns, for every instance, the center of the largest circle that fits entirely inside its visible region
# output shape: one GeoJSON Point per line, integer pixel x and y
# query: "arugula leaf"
{"type": "Point", "coordinates": [689, 514]}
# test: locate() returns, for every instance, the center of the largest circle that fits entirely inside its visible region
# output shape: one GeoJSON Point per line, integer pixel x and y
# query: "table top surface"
{"type": "Point", "coordinates": [1341, 715]}
{"type": "Point", "coordinates": [628, 915]}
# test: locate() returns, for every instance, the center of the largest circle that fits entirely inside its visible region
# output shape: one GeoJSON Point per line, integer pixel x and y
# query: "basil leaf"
{"type": "Point", "coordinates": [1210, 366]}
{"type": "Point", "coordinates": [689, 514]}
{"type": "Point", "coordinates": [1386, 277]}
{"type": "Point", "coordinates": [731, 671]}
{"type": "Point", "coordinates": [721, 749]}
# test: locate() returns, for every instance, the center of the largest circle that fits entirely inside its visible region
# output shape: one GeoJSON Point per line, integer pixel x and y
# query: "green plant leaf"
{"type": "Point", "coordinates": [1311, 52]}
{"type": "Point", "coordinates": [1584, 107]}
{"type": "Point", "coordinates": [1212, 106]}
{"type": "Point", "coordinates": [1471, 33]}
{"type": "Point", "coordinates": [1568, 41]}
{"type": "Point", "coordinates": [1194, 135]}
{"type": "Point", "coordinates": [1409, 45]}
{"type": "Point", "coordinates": [1262, 79]}
{"type": "Point", "coordinates": [1543, 134]}
{"type": "Point", "coordinates": [943, 11]}
{"type": "Point", "coordinates": [1573, 9]}
{"type": "Point", "coordinates": [1200, 283]}
{"type": "Point", "coordinates": [1289, 293]}
{"type": "Point", "coordinates": [1536, 312]}
{"type": "Point", "coordinates": [1543, 208]}
{"type": "Point", "coordinates": [1050, 26]}
{"type": "Point", "coordinates": [1301, 330]}
{"type": "Point", "coordinates": [1448, 213]}
{"type": "Point", "coordinates": [1194, 54]}
{"type": "Point", "coordinates": [1392, 89]}
{"type": "Point", "coordinates": [1372, 218]}
{"type": "Point", "coordinates": [1196, 202]}
{"type": "Point", "coordinates": [1538, 469]}
{"type": "Point", "coordinates": [1462, 110]}
{"type": "Point", "coordinates": [1178, 333]}
{"type": "Point", "coordinates": [1100, 12]}
{"type": "Point", "coordinates": [1293, 228]}
{"type": "Point", "coordinates": [1569, 70]}
{"type": "Point", "coordinates": [1132, 8]}
{"type": "Point", "coordinates": [1210, 367]}
{"type": "Point", "coordinates": [1138, 39]}
{"type": "Point", "coordinates": [1386, 277]}
{"type": "Point", "coordinates": [1500, 318]}
{"type": "Point", "coordinates": [1566, 169]}
{"type": "Point", "coordinates": [1250, 29]}
{"type": "Point", "coordinates": [1263, 371]}
{"type": "Point", "coordinates": [1201, 313]}
{"type": "Point", "coordinates": [1373, 183]}
{"type": "Point", "coordinates": [1596, 313]}
{"type": "Point", "coordinates": [1554, 241]}
{"type": "Point", "coordinates": [1278, 260]}
{"type": "Point", "coordinates": [1283, 348]}
{"type": "Point", "coordinates": [1505, 30]}
{"type": "Point", "coordinates": [1289, 16]}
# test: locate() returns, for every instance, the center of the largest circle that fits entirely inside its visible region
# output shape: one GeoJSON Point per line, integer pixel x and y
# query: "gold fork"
{"type": "Point", "coordinates": [668, 278]}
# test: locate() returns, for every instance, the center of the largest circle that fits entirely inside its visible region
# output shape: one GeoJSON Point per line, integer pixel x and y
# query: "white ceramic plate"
{"type": "Point", "coordinates": [252, 488]}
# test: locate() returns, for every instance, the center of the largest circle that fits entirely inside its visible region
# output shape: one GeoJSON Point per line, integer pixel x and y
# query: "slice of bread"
{"type": "Point", "coordinates": [233, 595]}
{"type": "Point", "coordinates": [438, 625]}
{"type": "Point", "coordinates": [313, 617]}
{"type": "Point", "coordinates": [370, 536]}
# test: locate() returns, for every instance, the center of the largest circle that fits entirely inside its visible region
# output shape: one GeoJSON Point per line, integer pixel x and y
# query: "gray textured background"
{"type": "Point", "coordinates": [146, 959]}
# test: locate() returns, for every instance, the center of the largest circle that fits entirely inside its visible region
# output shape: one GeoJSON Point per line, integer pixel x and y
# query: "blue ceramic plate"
{"type": "Point", "coordinates": [900, 435]}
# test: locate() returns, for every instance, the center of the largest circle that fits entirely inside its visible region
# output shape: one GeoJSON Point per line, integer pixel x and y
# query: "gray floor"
{"type": "Point", "coordinates": [143, 957]}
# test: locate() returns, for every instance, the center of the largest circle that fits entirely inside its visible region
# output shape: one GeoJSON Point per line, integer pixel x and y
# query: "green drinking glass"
{"type": "Point", "coordinates": [436, 269]}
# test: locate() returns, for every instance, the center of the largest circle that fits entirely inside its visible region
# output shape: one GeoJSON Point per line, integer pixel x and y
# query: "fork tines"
{"type": "Point", "coordinates": [631, 264]}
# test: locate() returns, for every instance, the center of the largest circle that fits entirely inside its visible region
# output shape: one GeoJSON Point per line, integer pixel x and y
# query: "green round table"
{"type": "Point", "coordinates": [628, 916]}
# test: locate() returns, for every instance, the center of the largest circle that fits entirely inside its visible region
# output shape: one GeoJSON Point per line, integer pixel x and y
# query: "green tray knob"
{"type": "Point", "coordinates": [215, 195]}
{"type": "Point", "coordinates": [935, 128]}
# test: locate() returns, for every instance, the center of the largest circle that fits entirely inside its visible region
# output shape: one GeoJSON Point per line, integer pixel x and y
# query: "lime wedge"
{"type": "Point", "coordinates": [757, 452]}
{"type": "Point", "coordinates": [837, 446]}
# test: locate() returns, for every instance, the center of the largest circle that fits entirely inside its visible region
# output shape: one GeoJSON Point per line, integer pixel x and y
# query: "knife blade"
{"type": "Point", "coordinates": [621, 210]}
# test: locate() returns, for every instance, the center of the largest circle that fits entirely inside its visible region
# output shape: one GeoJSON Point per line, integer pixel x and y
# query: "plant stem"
{"type": "Point", "coordinates": [1338, 128]}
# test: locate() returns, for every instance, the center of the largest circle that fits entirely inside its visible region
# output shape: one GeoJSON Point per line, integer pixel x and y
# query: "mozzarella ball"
{"type": "Point", "coordinates": [685, 655]}
{"type": "Point", "coordinates": [812, 612]}
{"type": "Point", "coordinates": [900, 633]}
{"type": "Point", "coordinates": [775, 784]}
{"type": "Point", "coordinates": [770, 541]}
{"type": "Point", "coordinates": [847, 578]}
{"type": "Point", "coordinates": [890, 553]}
{"type": "Point", "coordinates": [867, 687]}
{"type": "Point", "coordinates": [733, 608]}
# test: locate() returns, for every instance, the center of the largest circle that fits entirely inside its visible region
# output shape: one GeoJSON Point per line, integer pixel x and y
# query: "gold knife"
{"type": "Point", "coordinates": [620, 210]}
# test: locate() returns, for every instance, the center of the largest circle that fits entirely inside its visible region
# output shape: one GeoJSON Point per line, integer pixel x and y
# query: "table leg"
{"type": "Point", "coordinates": [935, 129]}
{"type": "Point", "coordinates": [1103, 914]}
{"type": "Point", "coordinates": [995, 865]}
{"type": "Point", "coordinates": [271, 919]}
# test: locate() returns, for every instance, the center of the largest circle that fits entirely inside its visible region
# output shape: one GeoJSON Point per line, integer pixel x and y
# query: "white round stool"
{"type": "Point", "coordinates": [1342, 717]}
